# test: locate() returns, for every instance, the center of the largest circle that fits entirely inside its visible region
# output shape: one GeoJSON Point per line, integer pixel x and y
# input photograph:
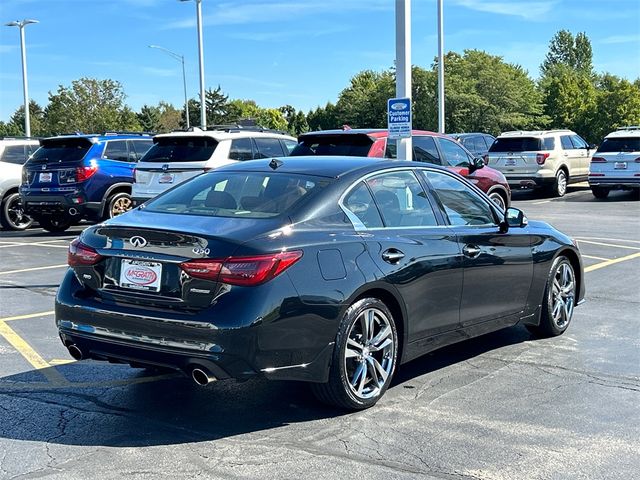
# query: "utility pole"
{"type": "Point", "coordinates": [403, 66]}
{"type": "Point", "coordinates": [440, 67]}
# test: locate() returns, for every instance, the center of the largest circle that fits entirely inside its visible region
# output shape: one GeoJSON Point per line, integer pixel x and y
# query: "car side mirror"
{"type": "Point", "coordinates": [515, 218]}
{"type": "Point", "coordinates": [592, 146]}
{"type": "Point", "coordinates": [476, 164]}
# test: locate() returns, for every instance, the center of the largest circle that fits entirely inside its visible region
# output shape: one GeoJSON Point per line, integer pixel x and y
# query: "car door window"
{"type": "Point", "coordinates": [425, 150]}
{"type": "Point", "coordinates": [116, 150]}
{"type": "Point", "coordinates": [268, 147]}
{"type": "Point", "coordinates": [478, 145]}
{"type": "Point", "coordinates": [454, 154]}
{"type": "Point", "coordinates": [359, 202]}
{"type": "Point", "coordinates": [566, 143]}
{"type": "Point", "coordinates": [578, 142]}
{"type": "Point", "coordinates": [460, 203]}
{"type": "Point", "coordinates": [241, 149]}
{"type": "Point", "coordinates": [401, 200]}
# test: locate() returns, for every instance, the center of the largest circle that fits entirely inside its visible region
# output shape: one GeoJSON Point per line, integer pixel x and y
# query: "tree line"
{"type": "Point", "coordinates": [482, 93]}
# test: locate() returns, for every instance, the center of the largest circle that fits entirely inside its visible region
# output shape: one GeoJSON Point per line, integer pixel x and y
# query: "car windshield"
{"type": "Point", "coordinates": [61, 150]}
{"type": "Point", "coordinates": [181, 149]}
{"type": "Point", "coordinates": [517, 144]}
{"type": "Point", "coordinates": [239, 194]}
{"type": "Point", "coordinates": [620, 144]}
{"type": "Point", "coordinates": [348, 145]}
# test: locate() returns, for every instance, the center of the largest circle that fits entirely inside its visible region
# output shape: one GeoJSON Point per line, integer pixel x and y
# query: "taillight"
{"type": "Point", "coordinates": [243, 271]}
{"type": "Point", "coordinates": [598, 160]}
{"type": "Point", "coordinates": [81, 254]}
{"type": "Point", "coordinates": [541, 158]}
{"type": "Point", "coordinates": [85, 173]}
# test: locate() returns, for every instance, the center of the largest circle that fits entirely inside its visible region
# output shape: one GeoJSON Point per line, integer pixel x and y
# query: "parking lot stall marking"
{"type": "Point", "coordinates": [33, 269]}
{"type": "Point", "coordinates": [541, 202]}
{"type": "Point", "coordinates": [628, 247]}
{"type": "Point", "coordinates": [39, 244]}
{"type": "Point", "coordinates": [28, 315]}
{"type": "Point", "coordinates": [597, 266]}
{"type": "Point", "coordinates": [595, 258]}
{"type": "Point", "coordinates": [607, 239]}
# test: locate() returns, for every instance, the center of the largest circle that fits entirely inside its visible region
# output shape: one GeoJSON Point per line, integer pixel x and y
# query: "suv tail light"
{"type": "Point", "coordinates": [598, 160]}
{"type": "Point", "coordinates": [541, 158]}
{"type": "Point", "coordinates": [82, 255]}
{"type": "Point", "coordinates": [243, 271]}
{"type": "Point", "coordinates": [85, 173]}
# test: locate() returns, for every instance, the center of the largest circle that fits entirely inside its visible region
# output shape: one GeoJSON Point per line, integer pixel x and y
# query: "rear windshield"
{"type": "Point", "coordinates": [181, 149]}
{"type": "Point", "coordinates": [620, 144]}
{"type": "Point", "coordinates": [350, 145]}
{"type": "Point", "coordinates": [521, 144]}
{"type": "Point", "coordinates": [239, 194]}
{"type": "Point", "coordinates": [61, 150]}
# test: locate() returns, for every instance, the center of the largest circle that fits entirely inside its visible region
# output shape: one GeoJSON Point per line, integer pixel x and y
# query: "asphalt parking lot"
{"type": "Point", "coordinates": [502, 406]}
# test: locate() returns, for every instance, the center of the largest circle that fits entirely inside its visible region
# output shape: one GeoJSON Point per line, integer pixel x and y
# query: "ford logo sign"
{"type": "Point", "coordinates": [138, 242]}
{"type": "Point", "coordinates": [398, 106]}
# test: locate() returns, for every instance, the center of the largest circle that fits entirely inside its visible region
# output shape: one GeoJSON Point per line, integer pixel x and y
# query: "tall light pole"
{"type": "Point", "coordinates": [25, 88]}
{"type": "Point", "coordinates": [440, 68]}
{"type": "Point", "coordinates": [180, 58]}
{"type": "Point", "coordinates": [203, 109]}
{"type": "Point", "coordinates": [403, 67]}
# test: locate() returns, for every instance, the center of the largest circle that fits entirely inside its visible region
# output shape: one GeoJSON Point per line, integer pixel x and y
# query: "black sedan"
{"type": "Point", "coordinates": [327, 270]}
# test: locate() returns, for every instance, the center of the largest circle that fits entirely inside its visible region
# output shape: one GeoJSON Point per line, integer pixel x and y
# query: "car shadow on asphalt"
{"type": "Point", "coordinates": [115, 406]}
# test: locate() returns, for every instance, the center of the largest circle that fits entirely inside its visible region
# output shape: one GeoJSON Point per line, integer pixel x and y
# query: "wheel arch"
{"type": "Point", "coordinates": [8, 192]}
{"type": "Point", "coordinates": [503, 193]}
{"type": "Point", "coordinates": [121, 187]}
{"type": "Point", "coordinates": [574, 259]}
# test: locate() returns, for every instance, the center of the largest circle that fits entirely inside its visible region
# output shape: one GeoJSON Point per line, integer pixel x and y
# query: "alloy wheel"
{"type": "Point", "coordinates": [120, 205]}
{"type": "Point", "coordinates": [14, 214]}
{"type": "Point", "coordinates": [498, 200]}
{"type": "Point", "coordinates": [561, 180]}
{"type": "Point", "coordinates": [369, 353]}
{"type": "Point", "coordinates": [562, 295]}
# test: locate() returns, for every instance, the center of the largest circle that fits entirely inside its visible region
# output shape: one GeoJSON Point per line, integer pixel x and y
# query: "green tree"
{"type": "Point", "coordinates": [296, 120]}
{"type": "Point", "coordinates": [15, 125]}
{"type": "Point", "coordinates": [170, 117]}
{"type": "Point", "coordinates": [89, 105]}
{"type": "Point", "coordinates": [568, 52]}
{"type": "Point", "coordinates": [323, 118]}
{"type": "Point", "coordinates": [149, 118]}
{"type": "Point", "coordinates": [364, 102]}
{"type": "Point", "coordinates": [617, 105]}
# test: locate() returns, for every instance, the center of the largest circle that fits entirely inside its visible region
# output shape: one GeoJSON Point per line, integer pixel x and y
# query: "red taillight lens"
{"type": "Point", "coordinates": [81, 254]}
{"type": "Point", "coordinates": [85, 173]}
{"type": "Point", "coordinates": [541, 158]}
{"type": "Point", "coordinates": [243, 271]}
{"type": "Point", "coordinates": [598, 160]}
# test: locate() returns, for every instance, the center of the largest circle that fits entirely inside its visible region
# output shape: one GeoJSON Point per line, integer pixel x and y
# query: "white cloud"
{"type": "Point", "coordinates": [529, 10]}
{"type": "Point", "coordinates": [615, 39]}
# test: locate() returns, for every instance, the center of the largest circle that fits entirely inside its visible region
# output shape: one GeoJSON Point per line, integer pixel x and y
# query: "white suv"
{"type": "Point", "coordinates": [616, 163]}
{"type": "Point", "coordinates": [13, 153]}
{"type": "Point", "coordinates": [551, 159]}
{"type": "Point", "coordinates": [178, 156]}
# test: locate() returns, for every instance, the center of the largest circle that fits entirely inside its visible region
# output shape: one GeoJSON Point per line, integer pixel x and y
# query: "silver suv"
{"type": "Point", "coordinates": [13, 153]}
{"type": "Point", "coordinates": [549, 159]}
{"type": "Point", "coordinates": [616, 164]}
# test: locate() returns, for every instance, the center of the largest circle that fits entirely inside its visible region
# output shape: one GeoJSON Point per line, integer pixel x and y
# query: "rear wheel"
{"type": "Point", "coordinates": [498, 200]}
{"type": "Point", "coordinates": [364, 357]}
{"type": "Point", "coordinates": [559, 300]}
{"type": "Point", "coordinates": [559, 188]}
{"type": "Point", "coordinates": [600, 192]}
{"type": "Point", "coordinates": [55, 224]}
{"type": "Point", "coordinates": [12, 216]}
{"type": "Point", "coordinates": [118, 204]}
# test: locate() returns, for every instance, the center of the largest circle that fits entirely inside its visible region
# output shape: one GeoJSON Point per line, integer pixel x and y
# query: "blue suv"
{"type": "Point", "coordinates": [72, 177]}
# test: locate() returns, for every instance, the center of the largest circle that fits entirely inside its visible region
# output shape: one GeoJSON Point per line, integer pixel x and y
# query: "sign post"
{"type": "Point", "coordinates": [403, 73]}
{"type": "Point", "coordinates": [399, 118]}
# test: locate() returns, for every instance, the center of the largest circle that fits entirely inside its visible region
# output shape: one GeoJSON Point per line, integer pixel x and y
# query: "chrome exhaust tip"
{"type": "Point", "coordinates": [202, 377]}
{"type": "Point", "coordinates": [75, 352]}
{"type": "Point", "coordinates": [73, 211]}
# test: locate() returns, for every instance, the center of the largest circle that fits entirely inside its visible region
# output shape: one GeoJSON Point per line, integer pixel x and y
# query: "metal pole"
{"type": "Point", "coordinates": [203, 109]}
{"type": "Point", "coordinates": [403, 66]}
{"type": "Point", "coordinates": [440, 67]}
{"type": "Point", "coordinates": [186, 101]}
{"type": "Point", "coordinates": [25, 88]}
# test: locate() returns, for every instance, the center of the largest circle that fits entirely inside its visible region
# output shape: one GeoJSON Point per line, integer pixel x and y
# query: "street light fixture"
{"type": "Point", "coordinates": [203, 110]}
{"type": "Point", "coordinates": [25, 89]}
{"type": "Point", "coordinates": [180, 58]}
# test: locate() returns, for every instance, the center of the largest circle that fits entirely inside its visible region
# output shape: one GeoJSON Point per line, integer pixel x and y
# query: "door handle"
{"type": "Point", "coordinates": [392, 255]}
{"type": "Point", "coordinates": [471, 251]}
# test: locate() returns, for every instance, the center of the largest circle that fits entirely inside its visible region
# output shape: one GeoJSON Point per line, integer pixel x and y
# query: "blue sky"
{"type": "Point", "coordinates": [298, 52]}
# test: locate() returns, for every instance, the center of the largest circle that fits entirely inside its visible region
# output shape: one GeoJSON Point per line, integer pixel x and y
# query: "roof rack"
{"type": "Point", "coordinates": [630, 127]}
{"type": "Point", "coordinates": [126, 132]}
{"type": "Point", "coordinates": [19, 137]}
{"type": "Point", "coordinates": [244, 127]}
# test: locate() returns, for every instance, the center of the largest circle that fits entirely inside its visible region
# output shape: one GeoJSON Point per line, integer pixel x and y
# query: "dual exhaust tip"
{"type": "Point", "coordinates": [200, 376]}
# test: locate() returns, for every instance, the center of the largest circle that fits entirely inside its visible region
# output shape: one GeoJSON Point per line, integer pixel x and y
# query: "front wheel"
{"type": "Point", "coordinates": [599, 192]}
{"type": "Point", "coordinates": [55, 224]}
{"type": "Point", "coordinates": [364, 357]}
{"type": "Point", "coordinates": [559, 300]}
{"type": "Point", "coordinates": [12, 216]}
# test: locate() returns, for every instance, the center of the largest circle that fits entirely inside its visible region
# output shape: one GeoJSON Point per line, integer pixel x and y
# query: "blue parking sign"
{"type": "Point", "coordinates": [399, 117]}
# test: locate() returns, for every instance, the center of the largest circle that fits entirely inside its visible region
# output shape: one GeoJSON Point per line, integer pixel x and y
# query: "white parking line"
{"type": "Point", "coordinates": [39, 244]}
{"type": "Point", "coordinates": [608, 244]}
{"type": "Point", "coordinates": [608, 239]}
{"type": "Point", "coordinates": [543, 201]}
{"type": "Point", "coordinates": [33, 269]}
{"type": "Point", "coordinates": [596, 258]}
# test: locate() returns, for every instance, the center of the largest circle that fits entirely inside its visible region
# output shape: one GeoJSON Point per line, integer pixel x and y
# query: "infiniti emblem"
{"type": "Point", "coordinates": [138, 242]}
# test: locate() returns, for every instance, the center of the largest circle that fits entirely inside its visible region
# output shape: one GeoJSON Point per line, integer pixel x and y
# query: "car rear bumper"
{"type": "Point", "coordinates": [529, 181]}
{"type": "Point", "coordinates": [74, 204]}
{"type": "Point", "coordinates": [628, 182]}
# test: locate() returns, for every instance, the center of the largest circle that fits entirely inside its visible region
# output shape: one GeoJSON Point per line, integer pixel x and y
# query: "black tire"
{"type": "Point", "coordinates": [550, 324]}
{"type": "Point", "coordinates": [372, 384]}
{"type": "Point", "coordinates": [600, 192]}
{"type": "Point", "coordinates": [118, 204]}
{"type": "Point", "coordinates": [56, 224]}
{"type": "Point", "coordinates": [12, 216]}
{"type": "Point", "coordinates": [559, 187]}
{"type": "Point", "coordinates": [498, 199]}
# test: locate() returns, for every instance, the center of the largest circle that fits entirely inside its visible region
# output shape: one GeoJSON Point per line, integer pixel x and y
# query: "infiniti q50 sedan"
{"type": "Point", "coordinates": [328, 270]}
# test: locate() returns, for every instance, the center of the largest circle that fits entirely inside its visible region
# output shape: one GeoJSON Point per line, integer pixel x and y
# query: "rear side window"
{"type": "Point", "coordinates": [620, 144]}
{"type": "Point", "coordinates": [61, 150]}
{"type": "Point", "coordinates": [116, 150]}
{"type": "Point", "coordinates": [518, 144]}
{"type": "Point", "coordinates": [181, 149]}
{"type": "Point", "coordinates": [289, 145]}
{"type": "Point", "coordinates": [140, 147]}
{"type": "Point", "coordinates": [478, 145]}
{"type": "Point", "coordinates": [565, 141]}
{"type": "Point", "coordinates": [348, 144]}
{"type": "Point", "coordinates": [360, 203]}
{"type": "Point", "coordinates": [578, 142]}
{"type": "Point", "coordinates": [14, 154]}
{"type": "Point", "coordinates": [549, 143]}
{"type": "Point", "coordinates": [241, 149]}
{"type": "Point", "coordinates": [239, 194]}
{"type": "Point", "coordinates": [268, 147]}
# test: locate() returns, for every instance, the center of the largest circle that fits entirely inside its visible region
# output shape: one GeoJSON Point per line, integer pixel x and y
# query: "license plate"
{"type": "Point", "coordinates": [620, 165]}
{"type": "Point", "coordinates": [141, 275]}
{"type": "Point", "coordinates": [45, 177]}
{"type": "Point", "coordinates": [166, 178]}
{"type": "Point", "coordinates": [510, 162]}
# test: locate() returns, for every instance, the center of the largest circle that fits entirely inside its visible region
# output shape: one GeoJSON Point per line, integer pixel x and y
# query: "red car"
{"type": "Point", "coordinates": [428, 147]}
